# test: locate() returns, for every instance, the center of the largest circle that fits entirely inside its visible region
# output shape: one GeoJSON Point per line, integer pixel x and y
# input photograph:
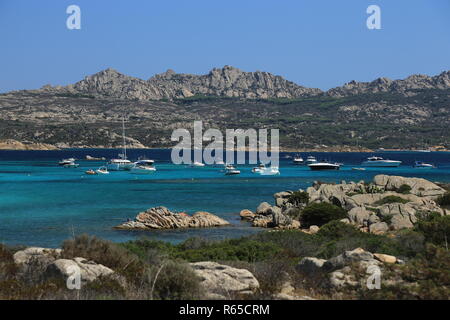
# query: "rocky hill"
{"type": "Point", "coordinates": [225, 82]}
{"type": "Point", "coordinates": [404, 87]}
{"type": "Point", "coordinates": [410, 113]}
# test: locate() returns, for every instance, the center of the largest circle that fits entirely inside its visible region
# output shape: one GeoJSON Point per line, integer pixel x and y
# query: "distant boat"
{"type": "Point", "coordinates": [380, 162]}
{"type": "Point", "coordinates": [231, 170]}
{"type": "Point", "coordinates": [66, 161]}
{"type": "Point", "coordinates": [102, 170]}
{"type": "Point", "coordinates": [143, 167]}
{"type": "Point", "coordinates": [423, 165]}
{"type": "Point", "coordinates": [71, 165]}
{"type": "Point", "coordinates": [298, 160]}
{"type": "Point", "coordinates": [89, 158]}
{"type": "Point", "coordinates": [121, 163]}
{"type": "Point", "coordinates": [262, 169]}
{"type": "Point", "coordinates": [91, 172]}
{"type": "Point", "coordinates": [259, 168]}
{"type": "Point", "coordinates": [423, 150]}
{"type": "Point", "coordinates": [197, 164]}
{"type": "Point", "coordinates": [323, 165]}
{"type": "Point", "coordinates": [359, 169]}
{"type": "Point", "coordinates": [310, 160]}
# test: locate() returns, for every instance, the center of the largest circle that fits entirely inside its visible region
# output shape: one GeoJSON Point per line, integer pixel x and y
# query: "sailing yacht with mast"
{"type": "Point", "coordinates": [121, 163]}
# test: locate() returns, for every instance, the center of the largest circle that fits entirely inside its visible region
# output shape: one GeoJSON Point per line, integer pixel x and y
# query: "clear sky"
{"type": "Point", "coordinates": [315, 43]}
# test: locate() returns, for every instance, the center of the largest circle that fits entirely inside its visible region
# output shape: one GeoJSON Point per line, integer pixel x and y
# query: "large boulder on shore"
{"type": "Point", "coordinates": [89, 270]}
{"type": "Point", "coordinates": [247, 215]}
{"type": "Point", "coordinates": [264, 209]}
{"type": "Point", "coordinates": [401, 215]}
{"type": "Point", "coordinates": [419, 186]}
{"type": "Point", "coordinates": [224, 282]}
{"type": "Point", "coordinates": [357, 255]}
{"type": "Point", "coordinates": [163, 218]}
{"type": "Point", "coordinates": [43, 256]}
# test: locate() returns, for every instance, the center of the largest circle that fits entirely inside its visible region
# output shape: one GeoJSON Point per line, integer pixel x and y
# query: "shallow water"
{"type": "Point", "coordinates": [42, 204]}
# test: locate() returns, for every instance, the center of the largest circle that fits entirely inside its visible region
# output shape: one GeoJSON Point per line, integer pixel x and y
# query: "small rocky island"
{"type": "Point", "coordinates": [163, 218]}
{"type": "Point", "coordinates": [387, 203]}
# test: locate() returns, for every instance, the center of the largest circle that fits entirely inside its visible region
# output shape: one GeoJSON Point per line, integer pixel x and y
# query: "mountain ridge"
{"type": "Point", "coordinates": [233, 82]}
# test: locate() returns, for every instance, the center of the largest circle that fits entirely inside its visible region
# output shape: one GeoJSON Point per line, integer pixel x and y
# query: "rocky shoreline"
{"type": "Point", "coordinates": [387, 203]}
{"type": "Point", "coordinates": [372, 242]}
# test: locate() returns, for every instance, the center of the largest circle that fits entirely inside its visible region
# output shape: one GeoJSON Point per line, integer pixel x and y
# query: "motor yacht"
{"type": "Point", "coordinates": [310, 160]}
{"type": "Point", "coordinates": [298, 160]}
{"type": "Point", "coordinates": [231, 170]}
{"type": "Point", "coordinates": [380, 162]}
{"type": "Point", "coordinates": [423, 165]}
{"type": "Point", "coordinates": [324, 165]}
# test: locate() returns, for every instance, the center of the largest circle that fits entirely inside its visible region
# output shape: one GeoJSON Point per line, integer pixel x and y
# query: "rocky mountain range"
{"type": "Point", "coordinates": [232, 82]}
{"type": "Point", "coordinates": [409, 113]}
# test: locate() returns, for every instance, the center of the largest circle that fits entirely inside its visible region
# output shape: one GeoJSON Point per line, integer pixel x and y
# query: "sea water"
{"type": "Point", "coordinates": [42, 204]}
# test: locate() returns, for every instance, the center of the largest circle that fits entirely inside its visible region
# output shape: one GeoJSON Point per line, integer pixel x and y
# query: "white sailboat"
{"type": "Point", "coordinates": [121, 163]}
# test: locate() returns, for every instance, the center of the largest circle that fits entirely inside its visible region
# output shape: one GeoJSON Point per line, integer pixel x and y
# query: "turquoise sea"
{"type": "Point", "coordinates": [42, 204]}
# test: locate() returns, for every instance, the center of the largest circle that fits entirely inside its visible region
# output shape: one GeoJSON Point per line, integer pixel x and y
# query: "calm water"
{"type": "Point", "coordinates": [43, 204]}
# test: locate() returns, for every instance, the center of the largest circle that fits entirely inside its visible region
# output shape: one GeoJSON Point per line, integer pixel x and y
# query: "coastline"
{"type": "Point", "coordinates": [15, 145]}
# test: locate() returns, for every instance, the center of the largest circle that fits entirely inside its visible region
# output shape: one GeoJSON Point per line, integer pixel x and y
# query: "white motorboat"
{"type": "Point", "coordinates": [143, 167]}
{"type": "Point", "coordinates": [71, 165]}
{"type": "Point", "coordinates": [359, 169]}
{"type": "Point", "coordinates": [231, 170]}
{"type": "Point", "coordinates": [298, 160]}
{"type": "Point", "coordinates": [380, 162]}
{"type": "Point", "coordinates": [263, 170]}
{"type": "Point", "coordinates": [102, 170]}
{"type": "Point", "coordinates": [323, 165]}
{"type": "Point", "coordinates": [197, 164]}
{"type": "Point", "coordinates": [310, 160]}
{"type": "Point", "coordinates": [144, 162]}
{"type": "Point", "coordinates": [65, 162]}
{"type": "Point", "coordinates": [121, 163]}
{"type": "Point", "coordinates": [423, 165]}
{"type": "Point", "coordinates": [259, 168]}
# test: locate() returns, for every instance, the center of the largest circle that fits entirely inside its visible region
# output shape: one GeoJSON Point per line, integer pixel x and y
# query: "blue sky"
{"type": "Point", "coordinates": [315, 43]}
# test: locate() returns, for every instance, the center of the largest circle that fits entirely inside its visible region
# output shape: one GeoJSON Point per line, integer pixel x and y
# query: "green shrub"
{"type": "Point", "coordinates": [390, 199]}
{"type": "Point", "coordinates": [295, 244]}
{"type": "Point", "coordinates": [435, 228]}
{"type": "Point", "coordinates": [298, 198]}
{"type": "Point", "coordinates": [336, 229]}
{"type": "Point", "coordinates": [386, 218]}
{"type": "Point", "coordinates": [106, 253]}
{"type": "Point", "coordinates": [444, 200]}
{"type": "Point", "coordinates": [321, 213]}
{"type": "Point", "coordinates": [8, 269]}
{"type": "Point", "coordinates": [404, 188]}
{"type": "Point", "coordinates": [293, 213]}
{"type": "Point", "coordinates": [174, 280]}
{"type": "Point", "coordinates": [230, 250]}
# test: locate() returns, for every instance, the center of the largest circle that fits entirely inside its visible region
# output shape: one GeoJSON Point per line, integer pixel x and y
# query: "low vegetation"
{"type": "Point", "coordinates": [444, 200]}
{"type": "Point", "coordinates": [390, 199]}
{"type": "Point", "coordinates": [298, 198]}
{"type": "Point", "coordinates": [149, 269]}
{"type": "Point", "coordinates": [321, 213]}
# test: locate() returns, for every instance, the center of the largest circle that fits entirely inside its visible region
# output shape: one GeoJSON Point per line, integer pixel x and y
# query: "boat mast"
{"type": "Point", "coordinates": [123, 136]}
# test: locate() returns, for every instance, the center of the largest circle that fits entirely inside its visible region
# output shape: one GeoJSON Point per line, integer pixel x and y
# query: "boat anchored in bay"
{"type": "Point", "coordinates": [380, 162]}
